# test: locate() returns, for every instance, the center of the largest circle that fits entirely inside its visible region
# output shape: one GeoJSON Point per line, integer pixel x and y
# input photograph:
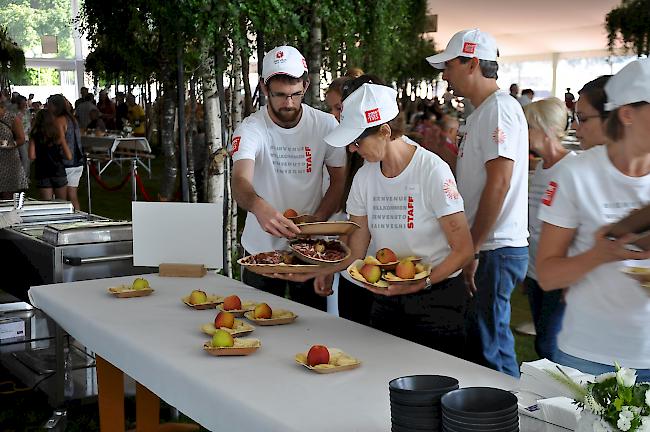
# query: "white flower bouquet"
{"type": "Point", "coordinates": [615, 400]}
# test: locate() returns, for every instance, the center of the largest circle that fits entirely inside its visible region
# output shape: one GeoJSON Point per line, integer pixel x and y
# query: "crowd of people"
{"type": "Point", "coordinates": [49, 135]}
{"type": "Point", "coordinates": [457, 194]}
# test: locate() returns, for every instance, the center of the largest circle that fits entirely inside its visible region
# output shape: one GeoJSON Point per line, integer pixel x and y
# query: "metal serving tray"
{"type": "Point", "coordinates": [87, 232]}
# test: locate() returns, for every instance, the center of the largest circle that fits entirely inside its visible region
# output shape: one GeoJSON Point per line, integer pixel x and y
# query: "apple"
{"type": "Point", "coordinates": [405, 269]}
{"type": "Point", "coordinates": [370, 272]}
{"type": "Point", "coordinates": [222, 338]}
{"type": "Point", "coordinates": [318, 354]}
{"type": "Point", "coordinates": [231, 303]}
{"type": "Point", "coordinates": [290, 213]}
{"type": "Point", "coordinates": [198, 297]}
{"type": "Point", "coordinates": [263, 311]}
{"type": "Point", "coordinates": [386, 256]}
{"type": "Point", "coordinates": [371, 260]}
{"type": "Point", "coordinates": [419, 268]}
{"type": "Point", "coordinates": [140, 284]}
{"type": "Point", "coordinates": [224, 319]}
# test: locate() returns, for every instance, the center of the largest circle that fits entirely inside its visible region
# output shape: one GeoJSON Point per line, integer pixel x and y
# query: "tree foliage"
{"type": "Point", "coordinates": [12, 59]}
{"type": "Point", "coordinates": [629, 25]}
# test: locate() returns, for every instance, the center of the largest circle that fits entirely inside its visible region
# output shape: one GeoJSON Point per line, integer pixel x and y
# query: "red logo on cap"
{"type": "Point", "coordinates": [235, 145]}
{"type": "Point", "coordinates": [547, 199]}
{"type": "Point", "coordinates": [373, 115]}
{"type": "Point", "coordinates": [469, 47]}
{"type": "Point", "coordinates": [279, 54]}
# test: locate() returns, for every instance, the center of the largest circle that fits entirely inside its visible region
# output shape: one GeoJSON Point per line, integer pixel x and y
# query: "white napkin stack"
{"type": "Point", "coordinates": [541, 396]}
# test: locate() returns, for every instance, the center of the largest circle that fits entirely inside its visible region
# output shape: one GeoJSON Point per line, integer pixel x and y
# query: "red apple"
{"type": "Point", "coordinates": [224, 319]}
{"type": "Point", "coordinates": [318, 354]}
{"type": "Point", "coordinates": [231, 303]}
{"type": "Point", "coordinates": [370, 272]}
{"type": "Point", "coordinates": [262, 311]}
{"type": "Point", "coordinates": [386, 256]}
{"type": "Point", "coordinates": [289, 213]}
{"type": "Point", "coordinates": [405, 269]}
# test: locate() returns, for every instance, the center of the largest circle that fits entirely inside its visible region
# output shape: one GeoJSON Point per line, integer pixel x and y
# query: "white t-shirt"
{"type": "Point", "coordinates": [538, 183]}
{"type": "Point", "coordinates": [607, 315]}
{"type": "Point", "coordinates": [403, 211]}
{"type": "Point", "coordinates": [497, 128]}
{"type": "Point", "coordinates": [289, 166]}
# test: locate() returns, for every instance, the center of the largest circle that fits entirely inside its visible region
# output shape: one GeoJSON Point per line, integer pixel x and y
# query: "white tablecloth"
{"type": "Point", "coordinates": [157, 341]}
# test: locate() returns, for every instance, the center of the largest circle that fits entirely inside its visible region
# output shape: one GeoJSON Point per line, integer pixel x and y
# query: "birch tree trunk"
{"type": "Point", "coordinates": [260, 57]}
{"type": "Point", "coordinates": [315, 59]}
{"type": "Point", "coordinates": [245, 68]}
{"type": "Point", "coordinates": [168, 143]}
{"type": "Point", "coordinates": [191, 128]}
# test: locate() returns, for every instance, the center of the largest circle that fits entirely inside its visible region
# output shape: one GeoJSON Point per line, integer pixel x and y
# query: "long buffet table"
{"type": "Point", "coordinates": [157, 341]}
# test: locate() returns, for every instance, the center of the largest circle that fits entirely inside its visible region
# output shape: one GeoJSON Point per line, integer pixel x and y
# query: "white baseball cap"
{"type": "Point", "coordinates": [467, 43]}
{"type": "Point", "coordinates": [369, 105]}
{"type": "Point", "coordinates": [631, 84]}
{"type": "Point", "coordinates": [283, 60]}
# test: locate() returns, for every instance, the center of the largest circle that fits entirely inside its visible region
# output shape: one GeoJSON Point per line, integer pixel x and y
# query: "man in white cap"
{"type": "Point", "coordinates": [492, 174]}
{"type": "Point", "coordinates": [279, 159]}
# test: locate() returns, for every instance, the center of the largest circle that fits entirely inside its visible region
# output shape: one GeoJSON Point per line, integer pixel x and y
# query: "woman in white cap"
{"type": "Point", "coordinates": [607, 316]}
{"type": "Point", "coordinates": [547, 120]}
{"type": "Point", "coordinates": [404, 198]}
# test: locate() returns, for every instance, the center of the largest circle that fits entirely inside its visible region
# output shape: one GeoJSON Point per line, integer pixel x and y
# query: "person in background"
{"type": "Point", "coordinates": [279, 158]}
{"type": "Point", "coordinates": [547, 120]}
{"type": "Point", "coordinates": [492, 175]}
{"type": "Point", "coordinates": [514, 90]}
{"type": "Point", "coordinates": [70, 135]}
{"type": "Point", "coordinates": [136, 116]}
{"type": "Point", "coordinates": [12, 173]}
{"type": "Point", "coordinates": [96, 122]}
{"type": "Point", "coordinates": [107, 109]}
{"type": "Point", "coordinates": [30, 99]}
{"type": "Point", "coordinates": [429, 130]}
{"type": "Point", "coordinates": [333, 96]}
{"type": "Point", "coordinates": [569, 100]}
{"type": "Point", "coordinates": [83, 92]}
{"type": "Point", "coordinates": [48, 151]}
{"type": "Point", "coordinates": [590, 115]}
{"type": "Point", "coordinates": [527, 96]}
{"type": "Point", "coordinates": [121, 111]}
{"type": "Point", "coordinates": [607, 315]}
{"type": "Point", "coordinates": [354, 72]}
{"type": "Point", "coordinates": [83, 109]}
{"type": "Point", "coordinates": [26, 119]}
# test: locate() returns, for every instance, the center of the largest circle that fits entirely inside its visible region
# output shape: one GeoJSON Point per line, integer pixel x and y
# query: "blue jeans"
{"type": "Point", "coordinates": [489, 334]}
{"type": "Point", "coordinates": [547, 308]}
{"type": "Point", "coordinates": [593, 368]}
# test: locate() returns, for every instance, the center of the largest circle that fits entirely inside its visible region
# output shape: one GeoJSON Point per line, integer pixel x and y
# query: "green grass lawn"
{"type": "Point", "coordinates": [28, 410]}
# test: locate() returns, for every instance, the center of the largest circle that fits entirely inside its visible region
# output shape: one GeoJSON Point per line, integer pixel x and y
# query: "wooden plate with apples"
{"type": "Point", "coordinates": [386, 259]}
{"type": "Point", "coordinates": [641, 274]}
{"type": "Point", "coordinates": [226, 321]}
{"type": "Point", "coordinates": [199, 300]}
{"type": "Point", "coordinates": [319, 251]}
{"type": "Point", "coordinates": [357, 269]}
{"type": "Point", "coordinates": [245, 307]}
{"type": "Point", "coordinates": [139, 288]}
{"type": "Point", "coordinates": [329, 228]}
{"type": "Point", "coordinates": [236, 347]}
{"type": "Point", "coordinates": [324, 360]}
{"type": "Point", "coordinates": [265, 316]}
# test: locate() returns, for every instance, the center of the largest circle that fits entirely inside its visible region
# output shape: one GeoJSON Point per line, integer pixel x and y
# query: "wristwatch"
{"type": "Point", "coordinates": [427, 284]}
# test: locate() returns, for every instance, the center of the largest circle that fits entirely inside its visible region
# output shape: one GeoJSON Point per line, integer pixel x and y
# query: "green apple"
{"type": "Point", "coordinates": [198, 297]}
{"type": "Point", "coordinates": [140, 284]}
{"type": "Point", "coordinates": [221, 339]}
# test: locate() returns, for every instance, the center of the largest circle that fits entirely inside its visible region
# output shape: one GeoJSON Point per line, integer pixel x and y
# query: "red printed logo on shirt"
{"type": "Point", "coordinates": [279, 55]}
{"type": "Point", "coordinates": [372, 115]}
{"type": "Point", "coordinates": [308, 159]}
{"type": "Point", "coordinates": [498, 136]}
{"type": "Point", "coordinates": [450, 188]}
{"type": "Point", "coordinates": [235, 145]}
{"type": "Point", "coordinates": [410, 212]}
{"type": "Point", "coordinates": [469, 48]}
{"type": "Point", "coordinates": [547, 199]}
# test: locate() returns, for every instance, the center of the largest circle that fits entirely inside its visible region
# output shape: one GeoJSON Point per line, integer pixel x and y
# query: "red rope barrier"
{"type": "Point", "coordinates": [98, 179]}
{"type": "Point", "coordinates": [143, 191]}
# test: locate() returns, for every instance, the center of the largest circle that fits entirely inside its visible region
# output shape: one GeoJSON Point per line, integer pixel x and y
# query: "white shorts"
{"type": "Point", "coordinates": [74, 175]}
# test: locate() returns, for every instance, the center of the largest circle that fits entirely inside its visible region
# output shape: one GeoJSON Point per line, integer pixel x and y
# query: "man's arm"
{"type": "Point", "coordinates": [497, 184]}
{"type": "Point", "coordinates": [332, 199]}
{"type": "Point", "coordinates": [271, 221]}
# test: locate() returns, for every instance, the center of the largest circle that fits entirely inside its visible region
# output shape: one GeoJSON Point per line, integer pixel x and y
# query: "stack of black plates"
{"type": "Point", "coordinates": [415, 402]}
{"type": "Point", "coordinates": [479, 409]}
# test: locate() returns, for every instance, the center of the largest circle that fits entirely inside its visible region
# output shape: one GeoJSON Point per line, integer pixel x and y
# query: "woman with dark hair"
{"type": "Point", "coordinates": [590, 115]}
{"type": "Point", "coordinates": [70, 135]}
{"type": "Point", "coordinates": [48, 151]}
{"type": "Point", "coordinates": [12, 136]}
{"type": "Point", "coordinates": [607, 315]}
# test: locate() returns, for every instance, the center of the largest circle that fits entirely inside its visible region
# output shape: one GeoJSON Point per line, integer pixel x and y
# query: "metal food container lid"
{"type": "Point", "coordinates": [87, 232]}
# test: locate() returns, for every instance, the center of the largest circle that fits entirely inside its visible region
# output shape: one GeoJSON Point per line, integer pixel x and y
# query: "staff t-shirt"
{"type": "Point", "coordinates": [403, 211]}
{"type": "Point", "coordinates": [289, 166]}
{"type": "Point", "coordinates": [607, 316]}
{"type": "Point", "coordinates": [497, 128]}
{"type": "Point", "coordinates": [538, 183]}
